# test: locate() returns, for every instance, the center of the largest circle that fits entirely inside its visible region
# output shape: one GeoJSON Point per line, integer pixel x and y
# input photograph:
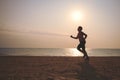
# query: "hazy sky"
{"type": "Point", "coordinates": [48, 23]}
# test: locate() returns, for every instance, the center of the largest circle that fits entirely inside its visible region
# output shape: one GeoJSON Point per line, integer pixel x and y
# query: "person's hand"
{"type": "Point", "coordinates": [71, 36]}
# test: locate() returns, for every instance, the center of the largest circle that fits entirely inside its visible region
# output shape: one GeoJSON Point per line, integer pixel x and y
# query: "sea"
{"type": "Point", "coordinates": [57, 52]}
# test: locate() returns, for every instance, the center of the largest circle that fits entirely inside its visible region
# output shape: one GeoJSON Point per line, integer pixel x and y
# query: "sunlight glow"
{"type": "Point", "coordinates": [75, 52]}
{"type": "Point", "coordinates": [77, 15]}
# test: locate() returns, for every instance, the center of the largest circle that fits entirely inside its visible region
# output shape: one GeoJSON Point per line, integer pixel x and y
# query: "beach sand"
{"type": "Point", "coordinates": [59, 68]}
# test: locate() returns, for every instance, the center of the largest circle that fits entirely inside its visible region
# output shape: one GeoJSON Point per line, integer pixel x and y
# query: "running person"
{"type": "Point", "coordinates": [82, 39]}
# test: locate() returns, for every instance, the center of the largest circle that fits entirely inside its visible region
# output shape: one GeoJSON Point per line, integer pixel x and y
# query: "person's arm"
{"type": "Point", "coordinates": [74, 37]}
{"type": "Point", "coordinates": [85, 35]}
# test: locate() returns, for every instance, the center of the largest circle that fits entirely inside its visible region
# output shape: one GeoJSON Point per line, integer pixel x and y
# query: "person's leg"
{"type": "Point", "coordinates": [82, 45]}
{"type": "Point", "coordinates": [79, 48]}
{"type": "Point", "coordinates": [83, 50]}
{"type": "Point", "coordinates": [85, 53]}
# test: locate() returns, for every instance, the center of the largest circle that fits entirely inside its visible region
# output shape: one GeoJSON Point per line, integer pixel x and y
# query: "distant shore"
{"type": "Point", "coordinates": [59, 68]}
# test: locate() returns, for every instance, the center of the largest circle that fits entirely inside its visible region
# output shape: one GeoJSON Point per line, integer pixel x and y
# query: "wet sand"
{"type": "Point", "coordinates": [59, 68]}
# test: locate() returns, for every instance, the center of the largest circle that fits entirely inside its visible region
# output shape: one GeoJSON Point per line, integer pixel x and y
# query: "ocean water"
{"type": "Point", "coordinates": [56, 52]}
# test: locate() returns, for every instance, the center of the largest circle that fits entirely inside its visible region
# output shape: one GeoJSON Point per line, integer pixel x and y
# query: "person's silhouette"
{"type": "Point", "coordinates": [81, 47]}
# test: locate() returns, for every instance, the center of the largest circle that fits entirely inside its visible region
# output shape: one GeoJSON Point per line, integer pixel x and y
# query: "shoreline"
{"type": "Point", "coordinates": [59, 68]}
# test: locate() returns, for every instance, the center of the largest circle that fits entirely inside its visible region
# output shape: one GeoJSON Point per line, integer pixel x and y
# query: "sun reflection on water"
{"type": "Point", "coordinates": [75, 52]}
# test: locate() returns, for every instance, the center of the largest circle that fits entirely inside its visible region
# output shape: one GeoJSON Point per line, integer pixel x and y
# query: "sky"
{"type": "Point", "coordinates": [49, 23]}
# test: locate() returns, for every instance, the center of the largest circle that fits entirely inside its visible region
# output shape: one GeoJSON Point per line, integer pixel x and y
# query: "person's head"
{"type": "Point", "coordinates": [80, 28]}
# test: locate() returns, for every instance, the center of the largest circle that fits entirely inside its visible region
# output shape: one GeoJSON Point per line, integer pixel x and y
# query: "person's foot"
{"type": "Point", "coordinates": [86, 58]}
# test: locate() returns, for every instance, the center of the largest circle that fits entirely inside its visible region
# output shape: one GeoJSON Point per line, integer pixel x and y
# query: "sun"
{"type": "Point", "coordinates": [77, 15]}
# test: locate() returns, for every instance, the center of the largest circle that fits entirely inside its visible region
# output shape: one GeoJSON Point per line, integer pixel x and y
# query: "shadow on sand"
{"type": "Point", "coordinates": [88, 72]}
